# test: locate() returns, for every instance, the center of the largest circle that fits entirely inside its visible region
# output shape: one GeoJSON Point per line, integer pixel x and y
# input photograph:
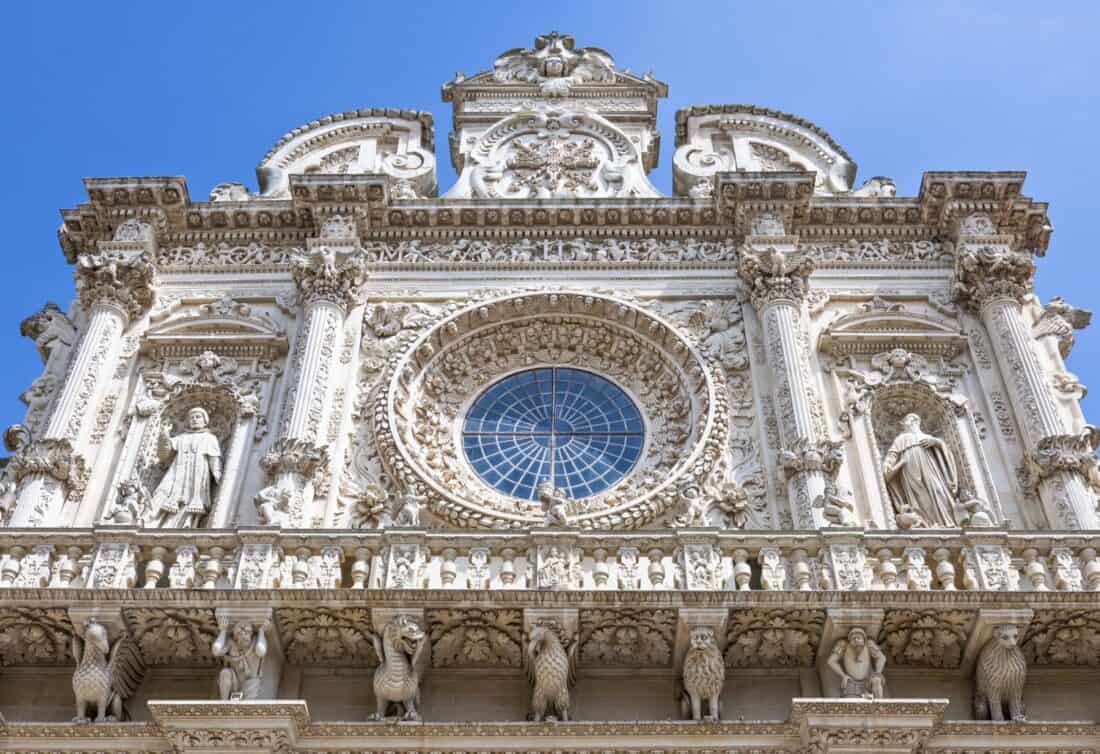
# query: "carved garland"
{"type": "Point", "coordinates": [418, 416]}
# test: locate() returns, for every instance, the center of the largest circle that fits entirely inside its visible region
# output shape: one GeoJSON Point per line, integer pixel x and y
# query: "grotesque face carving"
{"type": "Point", "coordinates": [702, 637]}
{"type": "Point", "coordinates": [1007, 635]}
{"type": "Point", "coordinates": [857, 638]}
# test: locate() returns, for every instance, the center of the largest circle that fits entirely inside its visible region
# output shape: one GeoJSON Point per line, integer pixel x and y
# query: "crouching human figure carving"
{"type": "Point", "coordinates": [405, 653]}
{"type": "Point", "coordinates": [106, 676]}
{"type": "Point", "coordinates": [859, 663]}
{"type": "Point", "coordinates": [704, 676]}
{"type": "Point", "coordinates": [242, 649]}
{"type": "Point", "coordinates": [551, 670]}
{"type": "Point", "coordinates": [1000, 676]}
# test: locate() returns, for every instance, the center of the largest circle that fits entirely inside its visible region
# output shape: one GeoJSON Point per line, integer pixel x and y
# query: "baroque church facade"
{"type": "Point", "coordinates": [548, 461]}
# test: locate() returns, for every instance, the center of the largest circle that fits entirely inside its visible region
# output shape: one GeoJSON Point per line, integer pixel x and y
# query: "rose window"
{"type": "Point", "coordinates": [573, 427]}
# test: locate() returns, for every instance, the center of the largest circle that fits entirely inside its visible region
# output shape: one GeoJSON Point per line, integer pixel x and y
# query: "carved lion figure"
{"type": "Point", "coordinates": [405, 653]}
{"type": "Point", "coordinates": [704, 676]}
{"type": "Point", "coordinates": [106, 676]}
{"type": "Point", "coordinates": [551, 670]}
{"type": "Point", "coordinates": [1000, 676]}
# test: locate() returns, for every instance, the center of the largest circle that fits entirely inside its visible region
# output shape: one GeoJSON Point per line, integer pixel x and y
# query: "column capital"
{"type": "Point", "coordinates": [53, 458]}
{"type": "Point", "coordinates": [984, 274]}
{"type": "Point", "coordinates": [328, 274]}
{"type": "Point", "coordinates": [772, 277]}
{"type": "Point", "coordinates": [1075, 453]}
{"type": "Point", "coordinates": [805, 454]}
{"type": "Point", "coordinates": [290, 455]}
{"type": "Point", "coordinates": [123, 280]}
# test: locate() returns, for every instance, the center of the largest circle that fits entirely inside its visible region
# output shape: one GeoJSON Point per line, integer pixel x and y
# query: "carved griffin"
{"type": "Point", "coordinates": [405, 653]}
{"type": "Point", "coordinates": [106, 676]}
{"type": "Point", "coordinates": [704, 676]}
{"type": "Point", "coordinates": [551, 670]}
{"type": "Point", "coordinates": [1000, 676]}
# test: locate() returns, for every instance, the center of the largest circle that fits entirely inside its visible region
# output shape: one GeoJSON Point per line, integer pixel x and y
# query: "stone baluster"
{"type": "Point", "coordinates": [360, 568]}
{"type": "Point", "coordinates": [1035, 570]}
{"type": "Point", "coordinates": [211, 567]}
{"type": "Point", "coordinates": [115, 286]}
{"type": "Point", "coordinates": [801, 572]}
{"type": "Point", "coordinates": [508, 568]}
{"type": "Point", "coordinates": [601, 572]}
{"type": "Point", "coordinates": [154, 568]}
{"type": "Point", "coordinates": [809, 460]}
{"type": "Point", "coordinates": [330, 284]}
{"type": "Point", "coordinates": [448, 569]}
{"type": "Point", "coordinates": [656, 570]}
{"type": "Point", "coordinates": [67, 568]}
{"type": "Point", "coordinates": [742, 571]}
{"type": "Point", "coordinates": [10, 566]}
{"type": "Point", "coordinates": [945, 569]}
{"type": "Point", "coordinates": [886, 570]}
{"type": "Point", "coordinates": [993, 282]}
{"type": "Point", "coordinates": [1090, 569]}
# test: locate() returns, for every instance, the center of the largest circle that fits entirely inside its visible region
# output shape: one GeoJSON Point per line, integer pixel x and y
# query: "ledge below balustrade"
{"type": "Point", "coordinates": [692, 560]}
{"type": "Point", "coordinates": [819, 725]}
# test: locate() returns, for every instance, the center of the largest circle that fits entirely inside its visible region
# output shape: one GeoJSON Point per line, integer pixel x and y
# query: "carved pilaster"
{"type": "Point", "coordinates": [993, 280]}
{"type": "Point", "coordinates": [778, 288]}
{"type": "Point", "coordinates": [46, 472]}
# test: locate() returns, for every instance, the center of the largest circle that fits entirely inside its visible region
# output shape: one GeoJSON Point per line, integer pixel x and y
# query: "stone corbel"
{"type": "Point", "coordinates": [861, 726]}
{"type": "Point", "coordinates": [987, 620]}
{"type": "Point", "coordinates": [689, 618]}
{"type": "Point", "coordinates": [204, 726]}
{"type": "Point", "coordinates": [271, 667]}
{"type": "Point", "coordinates": [838, 622]}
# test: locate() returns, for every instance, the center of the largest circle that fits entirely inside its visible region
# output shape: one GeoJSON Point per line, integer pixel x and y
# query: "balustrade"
{"type": "Point", "coordinates": [549, 559]}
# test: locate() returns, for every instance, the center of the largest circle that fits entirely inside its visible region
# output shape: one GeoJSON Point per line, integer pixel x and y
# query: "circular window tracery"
{"type": "Point", "coordinates": [571, 426]}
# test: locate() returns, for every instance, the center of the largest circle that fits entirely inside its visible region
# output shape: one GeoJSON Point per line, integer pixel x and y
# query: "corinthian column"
{"type": "Point", "coordinates": [808, 459]}
{"type": "Point", "coordinates": [115, 287]}
{"type": "Point", "coordinates": [330, 285]}
{"type": "Point", "coordinates": [993, 281]}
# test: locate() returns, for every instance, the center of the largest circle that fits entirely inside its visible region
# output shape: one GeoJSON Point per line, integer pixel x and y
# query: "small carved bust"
{"type": "Point", "coordinates": [858, 663]}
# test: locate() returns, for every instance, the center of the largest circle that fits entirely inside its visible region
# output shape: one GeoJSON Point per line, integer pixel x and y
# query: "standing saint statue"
{"type": "Point", "coordinates": [184, 496]}
{"type": "Point", "coordinates": [921, 478]}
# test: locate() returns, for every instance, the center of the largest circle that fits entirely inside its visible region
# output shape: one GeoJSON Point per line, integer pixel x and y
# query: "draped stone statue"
{"type": "Point", "coordinates": [184, 495]}
{"type": "Point", "coordinates": [921, 478]}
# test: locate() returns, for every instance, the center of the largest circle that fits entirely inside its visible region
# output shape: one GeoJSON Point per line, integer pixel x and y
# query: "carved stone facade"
{"type": "Point", "coordinates": [549, 460]}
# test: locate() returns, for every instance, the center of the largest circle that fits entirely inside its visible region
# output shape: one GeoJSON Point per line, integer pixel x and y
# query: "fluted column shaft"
{"type": "Point", "coordinates": [115, 288]}
{"type": "Point", "coordinates": [1067, 500]}
{"type": "Point", "coordinates": [329, 289]}
{"type": "Point", "coordinates": [809, 461]}
{"type": "Point", "coordinates": [993, 281]}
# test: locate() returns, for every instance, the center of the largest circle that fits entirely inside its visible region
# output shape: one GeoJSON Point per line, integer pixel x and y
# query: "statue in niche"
{"type": "Point", "coordinates": [858, 663]}
{"type": "Point", "coordinates": [921, 478]}
{"type": "Point", "coordinates": [184, 496]}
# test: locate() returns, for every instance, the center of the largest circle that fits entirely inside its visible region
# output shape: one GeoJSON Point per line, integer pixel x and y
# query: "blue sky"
{"type": "Point", "coordinates": [203, 90]}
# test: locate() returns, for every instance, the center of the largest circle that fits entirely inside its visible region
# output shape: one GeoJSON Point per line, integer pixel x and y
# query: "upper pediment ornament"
{"type": "Point", "coordinates": [554, 64]}
{"type": "Point", "coordinates": [395, 143]}
{"type": "Point", "coordinates": [233, 325]}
